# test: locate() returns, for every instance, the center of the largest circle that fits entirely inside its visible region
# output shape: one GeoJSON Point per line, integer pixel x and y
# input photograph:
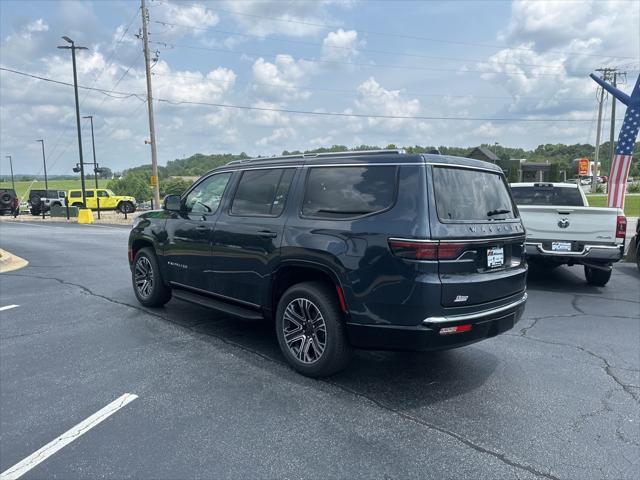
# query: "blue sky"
{"type": "Point", "coordinates": [525, 59]}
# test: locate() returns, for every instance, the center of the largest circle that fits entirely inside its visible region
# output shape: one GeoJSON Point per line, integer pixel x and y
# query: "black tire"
{"type": "Point", "coordinates": [126, 207]}
{"type": "Point", "coordinates": [155, 294]}
{"type": "Point", "coordinates": [596, 276]}
{"type": "Point", "coordinates": [35, 200]}
{"type": "Point", "coordinates": [6, 199]}
{"type": "Point", "coordinates": [34, 212]}
{"type": "Point", "coordinates": [78, 204]}
{"type": "Point", "coordinates": [318, 298]}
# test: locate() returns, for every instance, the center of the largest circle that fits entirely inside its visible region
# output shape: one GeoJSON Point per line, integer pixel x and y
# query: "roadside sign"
{"type": "Point", "coordinates": [583, 167]}
{"type": "Point", "coordinates": [154, 180]}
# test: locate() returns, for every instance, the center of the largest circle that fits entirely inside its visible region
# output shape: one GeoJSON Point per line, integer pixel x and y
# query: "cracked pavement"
{"type": "Point", "coordinates": [556, 397]}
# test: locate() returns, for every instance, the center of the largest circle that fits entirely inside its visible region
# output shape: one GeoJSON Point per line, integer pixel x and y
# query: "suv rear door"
{"type": "Point", "coordinates": [481, 252]}
{"type": "Point", "coordinates": [248, 234]}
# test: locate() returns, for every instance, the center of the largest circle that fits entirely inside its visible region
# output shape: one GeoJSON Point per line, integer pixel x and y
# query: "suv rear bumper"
{"type": "Point", "coordinates": [610, 253]}
{"type": "Point", "coordinates": [484, 324]}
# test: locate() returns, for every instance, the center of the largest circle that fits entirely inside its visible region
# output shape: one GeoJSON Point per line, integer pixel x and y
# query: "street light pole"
{"type": "Point", "coordinates": [73, 49]}
{"type": "Point", "coordinates": [13, 184]}
{"type": "Point", "coordinates": [46, 182]}
{"type": "Point", "coordinates": [95, 164]}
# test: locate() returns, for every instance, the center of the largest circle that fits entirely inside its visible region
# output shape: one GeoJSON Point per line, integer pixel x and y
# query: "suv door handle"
{"type": "Point", "coordinates": [267, 234]}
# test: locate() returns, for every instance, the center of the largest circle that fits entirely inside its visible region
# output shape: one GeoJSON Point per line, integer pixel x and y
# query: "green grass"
{"type": "Point", "coordinates": [22, 188]}
{"type": "Point", "coordinates": [631, 203]}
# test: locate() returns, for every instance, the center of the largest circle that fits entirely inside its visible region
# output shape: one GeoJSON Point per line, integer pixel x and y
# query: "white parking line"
{"type": "Point", "coordinates": [8, 307]}
{"type": "Point", "coordinates": [66, 438]}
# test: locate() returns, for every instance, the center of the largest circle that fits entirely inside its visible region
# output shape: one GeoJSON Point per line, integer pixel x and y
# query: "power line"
{"type": "Point", "coordinates": [366, 65]}
{"type": "Point", "coordinates": [330, 114]}
{"type": "Point", "coordinates": [355, 92]}
{"type": "Point", "coordinates": [354, 49]}
{"type": "Point", "coordinates": [401, 35]}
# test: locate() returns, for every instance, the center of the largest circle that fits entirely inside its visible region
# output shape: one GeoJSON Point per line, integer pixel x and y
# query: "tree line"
{"type": "Point", "coordinates": [135, 181]}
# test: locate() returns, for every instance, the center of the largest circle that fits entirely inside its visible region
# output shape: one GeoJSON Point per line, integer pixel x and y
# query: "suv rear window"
{"type": "Point", "coordinates": [343, 192]}
{"type": "Point", "coordinates": [262, 192]}
{"type": "Point", "coordinates": [547, 195]}
{"type": "Point", "coordinates": [476, 195]}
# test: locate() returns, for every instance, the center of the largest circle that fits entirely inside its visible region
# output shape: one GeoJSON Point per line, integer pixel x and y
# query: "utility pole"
{"type": "Point", "coordinates": [13, 184]}
{"type": "Point", "coordinates": [46, 182]}
{"type": "Point", "coordinates": [73, 49]}
{"type": "Point", "coordinates": [152, 128]}
{"type": "Point", "coordinates": [605, 75]}
{"type": "Point", "coordinates": [95, 164]}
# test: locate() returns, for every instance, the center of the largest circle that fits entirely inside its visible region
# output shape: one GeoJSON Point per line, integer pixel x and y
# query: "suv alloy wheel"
{"type": "Point", "coordinates": [311, 331]}
{"type": "Point", "coordinates": [148, 284]}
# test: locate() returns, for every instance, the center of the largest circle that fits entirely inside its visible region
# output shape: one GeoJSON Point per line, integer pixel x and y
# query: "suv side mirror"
{"type": "Point", "coordinates": [172, 203]}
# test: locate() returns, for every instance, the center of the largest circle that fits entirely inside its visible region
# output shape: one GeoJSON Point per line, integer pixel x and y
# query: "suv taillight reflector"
{"type": "Point", "coordinates": [457, 329]}
{"type": "Point", "coordinates": [621, 226]}
{"type": "Point", "coordinates": [417, 250]}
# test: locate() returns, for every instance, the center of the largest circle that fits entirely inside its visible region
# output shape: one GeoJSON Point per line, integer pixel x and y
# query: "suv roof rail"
{"type": "Point", "coordinates": [351, 153]}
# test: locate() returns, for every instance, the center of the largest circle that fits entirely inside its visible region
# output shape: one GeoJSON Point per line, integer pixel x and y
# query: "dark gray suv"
{"type": "Point", "coordinates": [374, 249]}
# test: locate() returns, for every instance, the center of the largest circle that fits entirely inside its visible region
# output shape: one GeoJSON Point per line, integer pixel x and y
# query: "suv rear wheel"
{"type": "Point", "coordinates": [596, 276]}
{"type": "Point", "coordinates": [148, 284]}
{"type": "Point", "coordinates": [311, 330]}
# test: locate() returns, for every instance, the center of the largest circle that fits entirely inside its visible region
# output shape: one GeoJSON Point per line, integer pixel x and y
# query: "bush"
{"type": "Point", "coordinates": [633, 187]}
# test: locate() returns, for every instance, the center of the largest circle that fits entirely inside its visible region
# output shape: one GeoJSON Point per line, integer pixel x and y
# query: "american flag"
{"type": "Point", "coordinates": [621, 162]}
{"type": "Point", "coordinates": [622, 158]}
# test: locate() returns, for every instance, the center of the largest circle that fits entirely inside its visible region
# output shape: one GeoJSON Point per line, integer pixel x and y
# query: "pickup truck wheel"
{"type": "Point", "coordinates": [148, 284]}
{"type": "Point", "coordinates": [126, 207]}
{"type": "Point", "coordinates": [597, 277]}
{"type": "Point", "coordinates": [311, 331]}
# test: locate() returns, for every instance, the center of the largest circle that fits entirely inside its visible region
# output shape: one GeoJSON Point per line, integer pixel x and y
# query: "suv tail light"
{"type": "Point", "coordinates": [621, 226]}
{"type": "Point", "coordinates": [425, 250]}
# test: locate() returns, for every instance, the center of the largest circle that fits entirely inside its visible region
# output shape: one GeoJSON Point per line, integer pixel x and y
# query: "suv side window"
{"type": "Point", "coordinates": [345, 192]}
{"type": "Point", "coordinates": [103, 194]}
{"type": "Point", "coordinates": [89, 193]}
{"type": "Point", "coordinates": [75, 194]}
{"type": "Point", "coordinates": [205, 197]}
{"type": "Point", "coordinates": [262, 192]}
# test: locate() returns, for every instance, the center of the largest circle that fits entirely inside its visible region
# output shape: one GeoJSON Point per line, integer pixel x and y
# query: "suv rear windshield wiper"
{"type": "Point", "coordinates": [497, 212]}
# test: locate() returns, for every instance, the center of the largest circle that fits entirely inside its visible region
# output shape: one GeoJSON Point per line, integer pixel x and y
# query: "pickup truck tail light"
{"type": "Point", "coordinates": [621, 226]}
{"type": "Point", "coordinates": [421, 250]}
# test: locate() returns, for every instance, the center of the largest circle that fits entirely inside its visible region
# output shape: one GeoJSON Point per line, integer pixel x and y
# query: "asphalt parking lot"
{"type": "Point", "coordinates": [557, 397]}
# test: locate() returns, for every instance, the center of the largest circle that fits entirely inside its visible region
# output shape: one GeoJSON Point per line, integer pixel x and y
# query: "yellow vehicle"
{"type": "Point", "coordinates": [108, 200]}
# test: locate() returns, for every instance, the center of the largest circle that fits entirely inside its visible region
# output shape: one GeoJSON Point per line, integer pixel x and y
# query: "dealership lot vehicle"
{"type": "Point", "coordinates": [563, 229]}
{"type": "Point", "coordinates": [9, 202]}
{"type": "Point", "coordinates": [218, 390]}
{"type": "Point", "coordinates": [379, 250]}
{"type": "Point", "coordinates": [107, 199]}
{"type": "Point", "coordinates": [42, 200]}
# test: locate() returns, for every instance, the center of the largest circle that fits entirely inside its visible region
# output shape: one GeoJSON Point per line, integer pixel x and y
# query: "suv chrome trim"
{"type": "Point", "coordinates": [476, 315]}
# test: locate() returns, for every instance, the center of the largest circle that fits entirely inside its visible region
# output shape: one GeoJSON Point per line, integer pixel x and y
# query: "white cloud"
{"type": "Point", "coordinates": [294, 19]}
{"type": "Point", "coordinates": [341, 45]}
{"type": "Point", "coordinates": [188, 86]}
{"type": "Point", "coordinates": [188, 18]}
{"type": "Point", "coordinates": [281, 79]}
{"type": "Point", "coordinates": [278, 135]}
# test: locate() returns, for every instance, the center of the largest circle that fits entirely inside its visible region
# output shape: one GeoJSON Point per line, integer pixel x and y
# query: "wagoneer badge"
{"type": "Point", "coordinates": [563, 223]}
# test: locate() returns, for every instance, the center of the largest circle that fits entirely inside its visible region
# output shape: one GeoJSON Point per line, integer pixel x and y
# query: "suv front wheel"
{"type": "Point", "coordinates": [126, 207]}
{"type": "Point", "coordinates": [148, 284]}
{"type": "Point", "coordinates": [311, 331]}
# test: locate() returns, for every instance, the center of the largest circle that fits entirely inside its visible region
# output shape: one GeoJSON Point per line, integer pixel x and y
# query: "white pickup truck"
{"type": "Point", "coordinates": [563, 229]}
